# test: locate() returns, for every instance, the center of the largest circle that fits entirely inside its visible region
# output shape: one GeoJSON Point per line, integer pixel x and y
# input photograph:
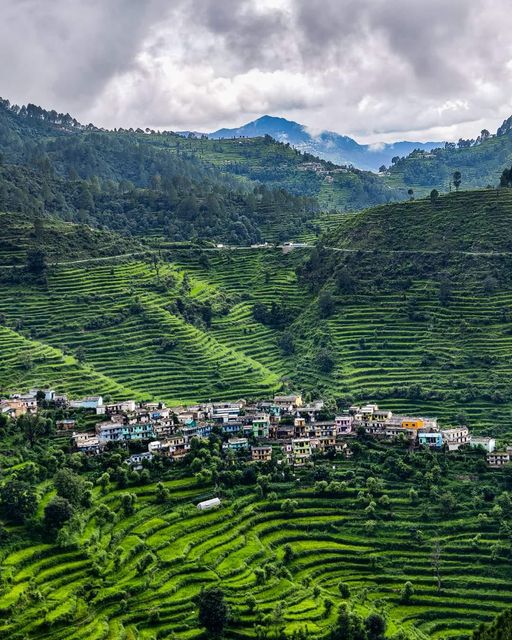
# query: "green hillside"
{"type": "Point", "coordinates": [137, 182]}
{"type": "Point", "coordinates": [169, 324]}
{"type": "Point", "coordinates": [408, 304]}
{"type": "Point", "coordinates": [419, 311]}
{"type": "Point", "coordinates": [479, 161]}
{"type": "Point", "coordinates": [136, 553]}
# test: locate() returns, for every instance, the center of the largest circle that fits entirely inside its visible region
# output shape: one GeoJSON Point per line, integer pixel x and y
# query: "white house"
{"type": "Point", "coordinates": [455, 438]}
{"type": "Point", "coordinates": [91, 402]}
{"type": "Point", "coordinates": [489, 444]}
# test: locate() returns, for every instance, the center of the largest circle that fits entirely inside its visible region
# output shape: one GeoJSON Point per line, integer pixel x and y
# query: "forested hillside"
{"type": "Point", "coordinates": [480, 162]}
{"type": "Point", "coordinates": [159, 183]}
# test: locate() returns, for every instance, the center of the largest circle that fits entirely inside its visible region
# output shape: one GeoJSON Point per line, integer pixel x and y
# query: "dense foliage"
{"type": "Point", "coordinates": [479, 162]}
{"type": "Point", "coordinates": [147, 182]}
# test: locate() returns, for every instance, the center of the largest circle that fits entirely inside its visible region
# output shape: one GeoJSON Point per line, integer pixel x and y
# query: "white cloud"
{"type": "Point", "coordinates": [374, 69]}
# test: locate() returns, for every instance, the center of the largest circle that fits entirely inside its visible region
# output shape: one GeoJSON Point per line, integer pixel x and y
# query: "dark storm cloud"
{"type": "Point", "coordinates": [427, 68]}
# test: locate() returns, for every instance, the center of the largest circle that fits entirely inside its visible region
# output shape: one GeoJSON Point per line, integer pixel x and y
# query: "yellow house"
{"type": "Point", "coordinates": [413, 423]}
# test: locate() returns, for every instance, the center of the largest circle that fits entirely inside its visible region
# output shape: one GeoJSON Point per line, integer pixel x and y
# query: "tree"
{"type": "Point", "coordinates": [434, 197]}
{"type": "Point", "coordinates": [445, 292]}
{"type": "Point", "coordinates": [162, 493]}
{"type": "Point", "coordinates": [410, 193]}
{"type": "Point", "coordinates": [128, 501]}
{"type": "Point", "coordinates": [104, 482]}
{"type": "Point", "coordinates": [36, 262]}
{"type": "Point", "coordinates": [72, 487]}
{"type": "Point", "coordinates": [407, 593]}
{"type": "Point", "coordinates": [325, 361]}
{"type": "Point", "coordinates": [289, 506]}
{"type": "Point", "coordinates": [213, 610]}
{"type": "Point", "coordinates": [34, 427]}
{"type": "Point", "coordinates": [286, 344]}
{"type": "Point", "coordinates": [457, 179]}
{"type": "Point", "coordinates": [18, 500]}
{"type": "Point", "coordinates": [326, 304]}
{"type": "Point", "coordinates": [375, 626]}
{"type": "Point", "coordinates": [344, 590]}
{"type": "Point", "coordinates": [435, 559]}
{"type": "Point", "coordinates": [56, 513]}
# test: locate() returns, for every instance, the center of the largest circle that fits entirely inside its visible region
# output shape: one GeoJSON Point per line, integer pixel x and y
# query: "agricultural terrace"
{"type": "Point", "coordinates": [130, 567]}
{"type": "Point", "coordinates": [167, 330]}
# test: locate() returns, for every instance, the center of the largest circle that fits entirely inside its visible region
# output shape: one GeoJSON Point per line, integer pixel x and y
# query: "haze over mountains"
{"type": "Point", "coordinates": [327, 144]}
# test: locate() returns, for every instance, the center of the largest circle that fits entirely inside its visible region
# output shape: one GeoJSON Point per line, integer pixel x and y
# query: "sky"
{"type": "Point", "coordinates": [377, 70]}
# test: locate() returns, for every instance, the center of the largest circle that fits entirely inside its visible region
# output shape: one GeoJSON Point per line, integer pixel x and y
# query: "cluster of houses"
{"type": "Point", "coordinates": [285, 427]}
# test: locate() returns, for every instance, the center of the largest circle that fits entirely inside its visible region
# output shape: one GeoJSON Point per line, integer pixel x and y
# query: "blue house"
{"type": "Point", "coordinates": [432, 439]}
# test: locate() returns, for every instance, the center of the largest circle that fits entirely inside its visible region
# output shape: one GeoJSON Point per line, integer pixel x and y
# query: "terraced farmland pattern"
{"type": "Point", "coordinates": [134, 576]}
{"type": "Point", "coordinates": [115, 329]}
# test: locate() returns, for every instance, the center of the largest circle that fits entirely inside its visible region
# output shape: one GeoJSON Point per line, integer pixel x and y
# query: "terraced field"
{"type": "Point", "coordinates": [135, 577]}
{"type": "Point", "coordinates": [116, 315]}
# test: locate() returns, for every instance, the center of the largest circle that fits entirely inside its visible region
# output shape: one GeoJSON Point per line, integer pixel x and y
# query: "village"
{"type": "Point", "coordinates": [285, 427]}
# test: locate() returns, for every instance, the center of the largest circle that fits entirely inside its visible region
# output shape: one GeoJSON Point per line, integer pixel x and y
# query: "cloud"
{"type": "Point", "coordinates": [374, 69]}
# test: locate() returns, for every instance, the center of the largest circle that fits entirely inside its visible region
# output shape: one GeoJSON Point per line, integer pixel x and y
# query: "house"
{"type": "Point", "coordinates": [261, 427]}
{"type": "Point", "coordinates": [125, 406]}
{"type": "Point", "coordinates": [432, 439]}
{"type": "Point", "coordinates": [120, 432]}
{"type": "Point", "coordinates": [136, 460]}
{"type": "Point", "coordinates": [209, 504]}
{"type": "Point", "coordinates": [300, 429]}
{"type": "Point", "coordinates": [65, 425]}
{"type": "Point", "coordinates": [261, 454]}
{"type": "Point", "coordinates": [49, 394]}
{"type": "Point", "coordinates": [455, 438]}
{"type": "Point", "coordinates": [90, 402]}
{"type": "Point", "coordinates": [343, 424]}
{"type": "Point", "coordinates": [342, 447]}
{"type": "Point", "coordinates": [27, 399]}
{"type": "Point", "coordinates": [225, 411]}
{"type": "Point", "coordinates": [13, 408]}
{"type": "Point", "coordinates": [301, 451]}
{"type": "Point", "coordinates": [412, 423]}
{"type": "Point", "coordinates": [489, 444]}
{"type": "Point", "coordinates": [499, 458]}
{"type": "Point", "coordinates": [288, 402]}
{"type": "Point", "coordinates": [87, 442]}
{"type": "Point", "coordinates": [236, 444]}
{"type": "Point", "coordinates": [284, 431]}
{"type": "Point", "coordinates": [175, 447]}
{"type": "Point", "coordinates": [323, 443]}
{"type": "Point", "coordinates": [394, 430]}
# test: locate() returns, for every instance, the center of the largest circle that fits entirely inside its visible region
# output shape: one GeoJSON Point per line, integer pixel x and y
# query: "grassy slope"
{"type": "Point", "coordinates": [90, 305]}
{"type": "Point", "coordinates": [330, 541]}
{"type": "Point", "coordinates": [280, 166]}
{"type": "Point", "coordinates": [393, 338]}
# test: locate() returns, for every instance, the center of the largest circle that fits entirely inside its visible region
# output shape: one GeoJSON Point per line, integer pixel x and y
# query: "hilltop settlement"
{"type": "Point", "coordinates": [285, 428]}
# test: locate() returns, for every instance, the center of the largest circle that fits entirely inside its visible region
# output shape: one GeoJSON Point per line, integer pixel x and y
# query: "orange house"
{"type": "Point", "coordinates": [412, 423]}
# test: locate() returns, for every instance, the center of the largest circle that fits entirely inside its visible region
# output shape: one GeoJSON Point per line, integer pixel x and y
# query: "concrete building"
{"type": "Point", "coordinates": [489, 444]}
{"type": "Point", "coordinates": [456, 437]}
{"type": "Point", "coordinates": [261, 454]}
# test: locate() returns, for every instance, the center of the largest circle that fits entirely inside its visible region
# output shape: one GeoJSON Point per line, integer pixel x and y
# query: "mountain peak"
{"type": "Point", "coordinates": [327, 144]}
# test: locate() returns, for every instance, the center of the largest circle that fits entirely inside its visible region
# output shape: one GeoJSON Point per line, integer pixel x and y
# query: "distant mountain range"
{"type": "Point", "coordinates": [327, 144]}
